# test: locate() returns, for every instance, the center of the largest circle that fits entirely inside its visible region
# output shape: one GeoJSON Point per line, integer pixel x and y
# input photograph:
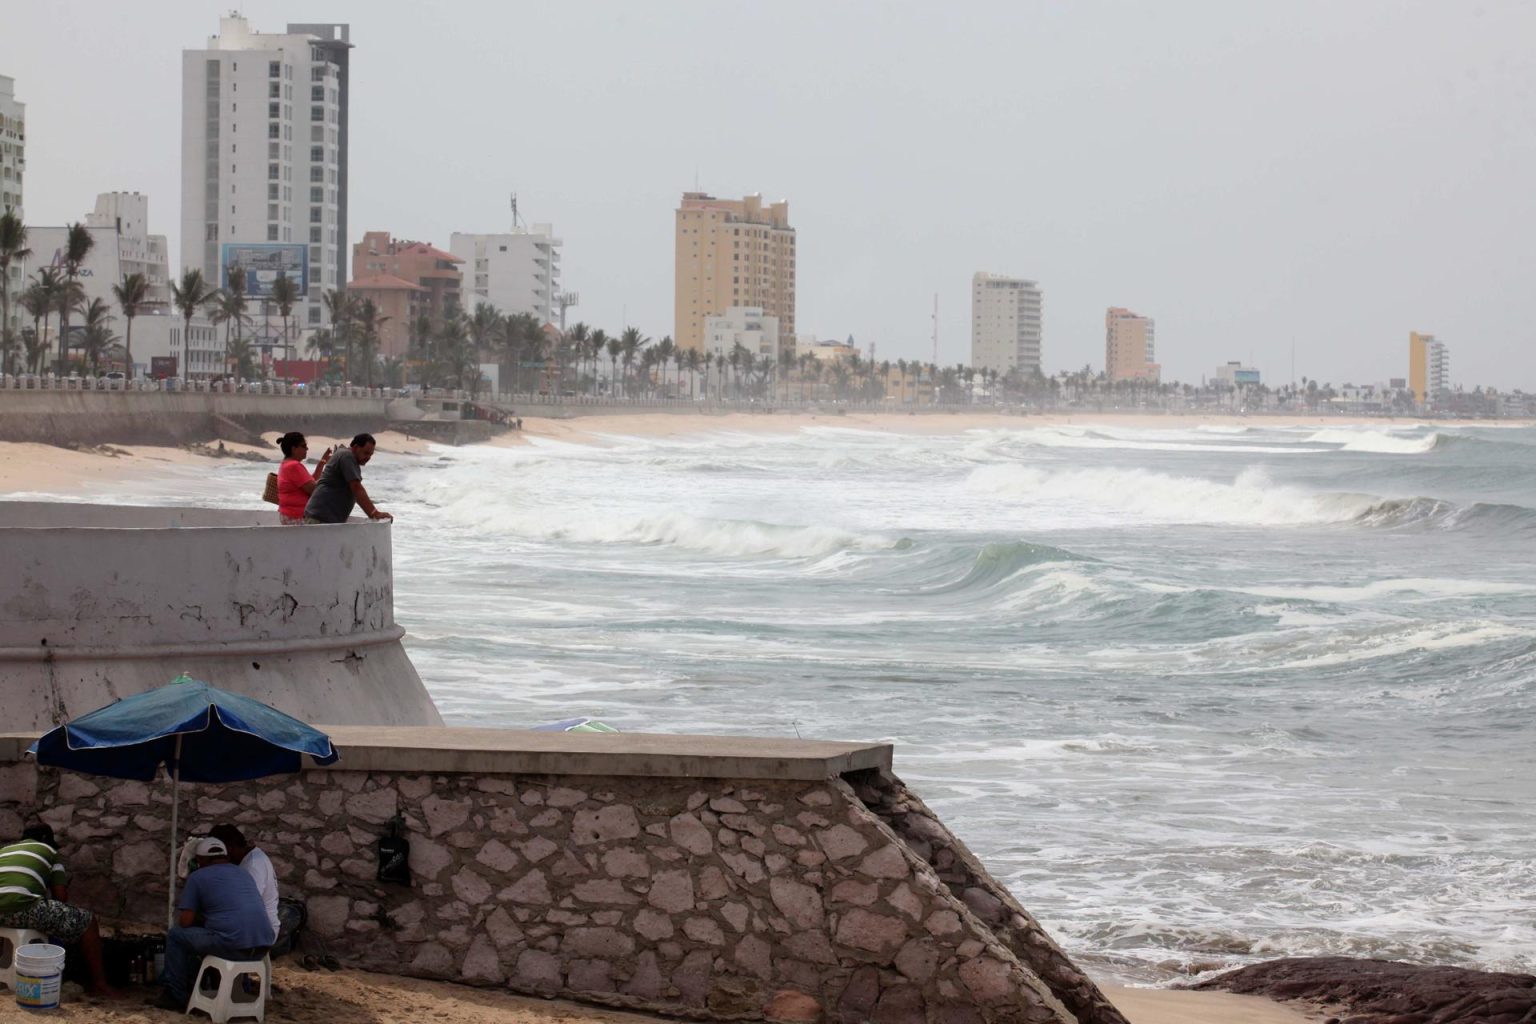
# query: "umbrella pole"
{"type": "Point", "coordinates": [170, 896]}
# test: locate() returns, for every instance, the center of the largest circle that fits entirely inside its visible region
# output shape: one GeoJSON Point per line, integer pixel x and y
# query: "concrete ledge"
{"type": "Point", "coordinates": [466, 751]}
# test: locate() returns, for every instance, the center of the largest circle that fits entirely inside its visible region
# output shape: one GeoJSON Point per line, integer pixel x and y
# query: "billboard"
{"type": "Point", "coordinates": [263, 262]}
{"type": "Point", "coordinates": [162, 367]}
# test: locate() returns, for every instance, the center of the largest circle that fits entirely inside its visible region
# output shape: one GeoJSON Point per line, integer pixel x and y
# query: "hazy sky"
{"type": "Point", "coordinates": [1327, 174]}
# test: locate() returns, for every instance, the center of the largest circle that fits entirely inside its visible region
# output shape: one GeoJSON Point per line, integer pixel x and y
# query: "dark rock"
{"type": "Point", "coordinates": [1383, 992]}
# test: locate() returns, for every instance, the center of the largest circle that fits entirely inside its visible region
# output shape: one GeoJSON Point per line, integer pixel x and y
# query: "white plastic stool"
{"type": "Point", "coordinates": [230, 1000]}
{"type": "Point", "coordinates": [12, 939]}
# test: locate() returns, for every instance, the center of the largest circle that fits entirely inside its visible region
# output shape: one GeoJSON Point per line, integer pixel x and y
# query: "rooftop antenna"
{"type": "Point", "coordinates": [565, 300]}
{"type": "Point", "coordinates": [516, 220]}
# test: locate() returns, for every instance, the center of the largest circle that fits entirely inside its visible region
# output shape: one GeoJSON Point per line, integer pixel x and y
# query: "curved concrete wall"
{"type": "Point", "coordinates": [111, 417]}
{"type": "Point", "coordinates": [98, 602]}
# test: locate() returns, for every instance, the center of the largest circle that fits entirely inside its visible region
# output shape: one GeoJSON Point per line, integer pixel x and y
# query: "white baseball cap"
{"type": "Point", "coordinates": [208, 846]}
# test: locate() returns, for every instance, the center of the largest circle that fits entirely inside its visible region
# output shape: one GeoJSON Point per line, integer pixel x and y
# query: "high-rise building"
{"type": "Point", "coordinates": [1129, 352]}
{"type": "Point", "coordinates": [1429, 367]}
{"type": "Point", "coordinates": [732, 252]}
{"type": "Point", "coordinates": [517, 272]}
{"type": "Point", "coordinates": [1005, 324]}
{"type": "Point", "coordinates": [264, 159]}
{"type": "Point", "coordinates": [13, 162]}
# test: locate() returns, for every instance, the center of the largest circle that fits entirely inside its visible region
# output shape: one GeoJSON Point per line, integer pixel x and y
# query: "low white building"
{"type": "Point", "coordinates": [120, 227]}
{"type": "Point", "coordinates": [1235, 374]}
{"type": "Point", "coordinates": [517, 272]}
{"type": "Point", "coordinates": [744, 325]}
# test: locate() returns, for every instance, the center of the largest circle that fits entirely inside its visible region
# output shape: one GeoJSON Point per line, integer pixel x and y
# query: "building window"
{"type": "Point", "coordinates": [316, 133]}
{"type": "Point", "coordinates": [271, 151]}
{"type": "Point", "coordinates": [317, 93]}
{"type": "Point", "coordinates": [317, 194]}
{"type": "Point", "coordinates": [271, 232]}
{"type": "Point", "coordinates": [316, 154]}
{"type": "Point", "coordinates": [317, 173]}
{"type": "Point", "coordinates": [314, 314]}
{"type": "Point", "coordinates": [317, 113]}
{"type": "Point", "coordinates": [314, 234]}
{"type": "Point", "coordinates": [314, 215]}
{"type": "Point", "coordinates": [271, 211]}
{"type": "Point", "coordinates": [275, 69]}
{"type": "Point", "coordinates": [274, 110]}
{"type": "Point", "coordinates": [274, 131]}
{"type": "Point", "coordinates": [272, 171]}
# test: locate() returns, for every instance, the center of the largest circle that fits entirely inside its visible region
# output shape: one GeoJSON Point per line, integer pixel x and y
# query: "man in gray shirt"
{"type": "Point", "coordinates": [341, 486]}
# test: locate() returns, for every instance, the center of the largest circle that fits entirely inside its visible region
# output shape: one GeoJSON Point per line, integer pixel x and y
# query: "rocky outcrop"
{"type": "Point", "coordinates": [1384, 992]}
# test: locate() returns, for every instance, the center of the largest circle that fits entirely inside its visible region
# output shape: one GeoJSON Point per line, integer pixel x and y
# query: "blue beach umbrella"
{"type": "Point", "coordinates": [199, 732]}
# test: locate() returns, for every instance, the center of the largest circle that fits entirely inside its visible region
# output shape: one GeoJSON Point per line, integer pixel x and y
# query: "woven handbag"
{"type": "Point", "coordinates": [269, 492]}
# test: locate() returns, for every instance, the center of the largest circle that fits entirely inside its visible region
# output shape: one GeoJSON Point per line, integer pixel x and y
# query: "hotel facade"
{"type": "Point", "coordinates": [732, 253]}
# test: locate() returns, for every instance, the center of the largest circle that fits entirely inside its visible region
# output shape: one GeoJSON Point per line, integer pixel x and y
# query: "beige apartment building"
{"type": "Point", "coordinates": [732, 252]}
{"type": "Point", "coordinates": [1129, 352]}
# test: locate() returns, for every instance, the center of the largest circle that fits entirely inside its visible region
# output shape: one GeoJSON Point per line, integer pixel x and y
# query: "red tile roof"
{"type": "Point", "coordinates": [383, 282]}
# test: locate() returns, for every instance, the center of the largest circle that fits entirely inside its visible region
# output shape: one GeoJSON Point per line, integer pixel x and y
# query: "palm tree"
{"type": "Point", "coordinates": [13, 246]}
{"type": "Point", "coordinates": [323, 344]}
{"type": "Point", "coordinates": [285, 293]}
{"type": "Point", "coordinates": [68, 297]}
{"type": "Point", "coordinates": [421, 349]}
{"type": "Point", "coordinates": [229, 310]}
{"type": "Point", "coordinates": [786, 364]}
{"type": "Point", "coordinates": [579, 335]}
{"type": "Point", "coordinates": [615, 346]}
{"type": "Point", "coordinates": [78, 244]}
{"type": "Point", "coordinates": [97, 333]}
{"type": "Point", "coordinates": [368, 323]}
{"type": "Point", "coordinates": [694, 359]}
{"type": "Point", "coordinates": [191, 294]}
{"type": "Point", "coordinates": [130, 296]}
{"type": "Point", "coordinates": [38, 304]}
{"type": "Point", "coordinates": [630, 344]}
{"type": "Point", "coordinates": [679, 357]}
{"type": "Point", "coordinates": [597, 344]}
{"type": "Point", "coordinates": [340, 308]}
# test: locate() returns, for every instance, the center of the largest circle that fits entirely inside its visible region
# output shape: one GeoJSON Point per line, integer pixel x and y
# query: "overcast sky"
{"type": "Point", "coordinates": [1319, 174]}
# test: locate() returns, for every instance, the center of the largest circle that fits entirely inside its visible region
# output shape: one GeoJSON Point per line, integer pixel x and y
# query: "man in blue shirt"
{"type": "Point", "coordinates": [220, 914]}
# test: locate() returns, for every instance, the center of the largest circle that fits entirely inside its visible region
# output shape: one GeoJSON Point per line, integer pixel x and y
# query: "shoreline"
{"type": "Point", "coordinates": [28, 467]}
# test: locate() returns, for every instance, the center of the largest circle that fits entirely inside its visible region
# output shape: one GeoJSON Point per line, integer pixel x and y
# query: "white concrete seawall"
{"type": "Point", "coordinates": [98, 602]}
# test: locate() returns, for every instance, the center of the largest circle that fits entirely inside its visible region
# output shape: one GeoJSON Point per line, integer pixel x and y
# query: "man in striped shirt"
{"type": "Point", "coordinates": [32, 895]}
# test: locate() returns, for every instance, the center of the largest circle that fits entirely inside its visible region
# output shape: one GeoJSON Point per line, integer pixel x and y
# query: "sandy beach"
{"type": "Point", "coordinates": [357, 997]}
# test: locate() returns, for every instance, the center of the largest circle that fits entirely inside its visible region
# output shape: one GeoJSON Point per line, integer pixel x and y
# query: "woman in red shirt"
{"type": "Point", "coordinates": [294, 481]}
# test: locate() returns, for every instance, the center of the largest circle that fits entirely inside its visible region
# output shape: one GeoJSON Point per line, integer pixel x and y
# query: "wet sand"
{"type": "Point", "coordinates": [356, 997]}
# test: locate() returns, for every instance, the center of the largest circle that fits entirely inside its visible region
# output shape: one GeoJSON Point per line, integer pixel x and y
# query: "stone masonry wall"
{"type": "Point", "coordinates": [703, 898]}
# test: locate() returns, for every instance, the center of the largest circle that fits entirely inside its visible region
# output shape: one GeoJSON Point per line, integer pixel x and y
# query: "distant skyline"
{"type": "Point", "coordinates": [1330, 175]}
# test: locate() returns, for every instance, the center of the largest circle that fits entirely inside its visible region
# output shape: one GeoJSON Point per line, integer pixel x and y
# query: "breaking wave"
{"type": "Point", "coordinates": [1376, 442]}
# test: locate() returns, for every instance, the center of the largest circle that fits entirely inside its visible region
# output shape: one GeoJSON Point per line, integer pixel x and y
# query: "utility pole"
{"type": "Point", "coordinates": [935, 328]}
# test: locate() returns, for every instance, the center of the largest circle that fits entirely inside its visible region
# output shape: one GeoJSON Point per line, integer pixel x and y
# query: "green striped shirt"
{"type": "Point", "coordinates": [28, 871]}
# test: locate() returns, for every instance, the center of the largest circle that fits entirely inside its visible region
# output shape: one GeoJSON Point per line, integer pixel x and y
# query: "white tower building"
{"type": "Point", "coordinates": [13, 161]}
{"type": "Point", "coordinates": [1005, 324]}
{"type": "Point", "coordinates": [264, 158]}
{"type": "Point", "coordinates": [517, 272]}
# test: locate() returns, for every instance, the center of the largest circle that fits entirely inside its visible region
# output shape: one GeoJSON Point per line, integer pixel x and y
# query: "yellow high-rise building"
{"type": "Point", "coordinates": [732, 252]}
{"type": "Point", "coordinates": [1429, 366]}
{"type": "Point", "coordinates": [1129, 346]}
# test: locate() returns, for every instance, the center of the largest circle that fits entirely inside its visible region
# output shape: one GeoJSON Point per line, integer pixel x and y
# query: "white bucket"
{"type": "Point", "coordinates": [39, 968]}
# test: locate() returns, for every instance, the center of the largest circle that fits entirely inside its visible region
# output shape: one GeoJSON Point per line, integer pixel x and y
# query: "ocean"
{"type": "Point", "coordinates": [1199, 697]}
